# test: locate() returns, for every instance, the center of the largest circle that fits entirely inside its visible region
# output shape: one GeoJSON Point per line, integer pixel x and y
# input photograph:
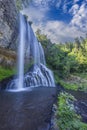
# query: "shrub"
{"type": "Point", "coordinates": [4, 73]}
{"type": "Point", "coordinates": [67, 119]}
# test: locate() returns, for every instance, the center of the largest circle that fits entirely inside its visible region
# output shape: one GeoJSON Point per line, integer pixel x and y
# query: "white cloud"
{"type": "Point", "coordinates": [58, 31]}
{"type": "Point", "coordinates": [42, 3]}
{"type": "Point", "coordinates": [63, 4]}
{"type": "Point", "coordinates": [75, 1]}
{"type": "Point", "coordinates": [80, 18]}
{"type": "Point", "coordinates": [74, 9]}
{"type": "Point", "coordinates": [58, 3]}
{"type": "Point", "coordinates": [35, 15]}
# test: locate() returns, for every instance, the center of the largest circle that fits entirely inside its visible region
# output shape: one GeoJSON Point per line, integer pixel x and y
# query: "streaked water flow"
{"type": "Point", "coordinates": [38, 74]}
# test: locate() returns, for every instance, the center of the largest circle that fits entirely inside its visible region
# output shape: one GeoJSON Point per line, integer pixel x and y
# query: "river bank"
{"type": "Point", "coordinates": [70, 110]}
{"type": "Point", "coordinates": [32, 110]}
{"type": "Point", "coordinates": [80, 103]}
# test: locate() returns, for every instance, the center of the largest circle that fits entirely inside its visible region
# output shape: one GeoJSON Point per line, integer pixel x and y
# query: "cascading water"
{"type": "Point", "coordinates": [21, 53]}
{"type": "Point", "coordinates": [38, 74]}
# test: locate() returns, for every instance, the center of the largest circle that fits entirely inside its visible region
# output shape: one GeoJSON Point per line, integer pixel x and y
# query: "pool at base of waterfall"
{"type": "Point", "coordinates": [27, 110]}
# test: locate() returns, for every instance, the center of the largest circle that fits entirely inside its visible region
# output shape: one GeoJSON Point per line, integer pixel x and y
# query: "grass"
{"type": "Point", "coordinates": [73, 82]}
{"type": "Point", "coordinates": [70, 86]}
{"type": "Point", "coordinates": [6, 72]}
{"type": "Point", "coordinates": [7, 63]}
{"type": "Point", "coordinates": [81, 75]}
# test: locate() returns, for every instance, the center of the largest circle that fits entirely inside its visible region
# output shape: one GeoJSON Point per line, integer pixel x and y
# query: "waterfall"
{"type": "Point", "coordinates": [21, 53]}
{"type": "Point", "coordinates": [38, 74]}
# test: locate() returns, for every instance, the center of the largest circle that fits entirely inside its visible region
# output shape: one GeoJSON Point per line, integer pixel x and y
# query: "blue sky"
{"type": "Point", "coordinates": [60, 20]}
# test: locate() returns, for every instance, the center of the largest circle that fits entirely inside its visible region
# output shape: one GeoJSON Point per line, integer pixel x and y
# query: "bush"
{"type": "Point", "coordinates": [6, 72]}
{"type": "Point", "coordinates": [67, 119]}
{"type": "Point", "coordinates": [70, 86]}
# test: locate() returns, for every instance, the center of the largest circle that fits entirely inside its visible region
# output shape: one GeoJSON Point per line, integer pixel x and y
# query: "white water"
{"type": "Point", "coordinates": [21, 53]}
{"type": "Point", "coordinates": [38, 74]}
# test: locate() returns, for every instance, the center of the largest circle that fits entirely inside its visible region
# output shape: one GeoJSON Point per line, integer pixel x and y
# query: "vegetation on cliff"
{"type": "Point", "coordinates": [66, 116]}
{"type": "Point", "coordinates": [7, 63]}
{"type": "Point", "coordinates": [68, 61]}
{"type": "Point", "coordinates": [22, 3]}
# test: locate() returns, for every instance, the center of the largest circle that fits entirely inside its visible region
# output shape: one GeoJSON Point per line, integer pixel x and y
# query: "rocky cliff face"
{"type": "Point", "coordinates": [8, 23]}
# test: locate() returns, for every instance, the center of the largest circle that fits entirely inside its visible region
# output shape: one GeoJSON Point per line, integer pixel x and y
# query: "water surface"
{"type": "Point", "coordinates": [26, 110]}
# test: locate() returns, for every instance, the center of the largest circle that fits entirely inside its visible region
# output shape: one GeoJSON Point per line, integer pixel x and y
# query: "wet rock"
{"type": "Point", "coordinates": [53, 118]}
{"type": "Point", "coordinates": [4, 82]}
{"type": "Point", "coordinates": [81, 109]}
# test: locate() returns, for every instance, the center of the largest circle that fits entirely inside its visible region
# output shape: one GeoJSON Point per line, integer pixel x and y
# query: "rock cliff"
{"type": "Point", "coordinates": [8, 23]}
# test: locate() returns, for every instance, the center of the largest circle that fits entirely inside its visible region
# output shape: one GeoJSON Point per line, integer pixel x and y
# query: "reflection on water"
{"type": "Point", "coordinates": [26, 110]}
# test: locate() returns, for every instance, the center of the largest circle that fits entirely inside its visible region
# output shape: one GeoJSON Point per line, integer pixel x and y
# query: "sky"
{"type": "Point", "coordinates": [60, 20]}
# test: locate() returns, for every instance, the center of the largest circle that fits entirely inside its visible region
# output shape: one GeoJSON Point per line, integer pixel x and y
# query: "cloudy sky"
{"type": "Point", "coordinates": [61, 20]}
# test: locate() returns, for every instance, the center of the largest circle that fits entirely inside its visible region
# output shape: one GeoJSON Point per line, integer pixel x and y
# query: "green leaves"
{"type": "Point", "coordinates": [21, 3]}
{"type": "Point", "coordinates": [67, 119]}
{"type": "Point", "coordinates": [6, 72]}
{"type": "Point", "coordinates": [65, 59]}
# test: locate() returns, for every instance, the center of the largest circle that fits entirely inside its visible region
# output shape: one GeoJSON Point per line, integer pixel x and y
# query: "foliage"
{"type": "Point", "coordinates": [67, 119]}
{"type": "Point", "coordinates": [81, 75]}
{"type": "Point", "coordinates": [4, 73]}
{"type": "Point", "coordinates": [77, 82]}
{"type": "Point", "coordinates": [65, 59]}
{"type": "Point", "coordinates": [66, 85]}
{"type": "Point", "coordinates": [21, 3]}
